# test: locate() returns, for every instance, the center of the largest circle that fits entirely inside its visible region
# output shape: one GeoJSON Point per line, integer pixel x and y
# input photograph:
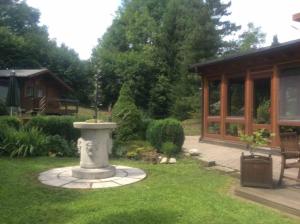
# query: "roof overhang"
{"type": "Point", "coordinates": [267, 53]}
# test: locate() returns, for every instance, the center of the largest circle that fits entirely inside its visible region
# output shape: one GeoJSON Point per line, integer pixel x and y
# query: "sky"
{"type": "Point", "coordinates": [80, 23]}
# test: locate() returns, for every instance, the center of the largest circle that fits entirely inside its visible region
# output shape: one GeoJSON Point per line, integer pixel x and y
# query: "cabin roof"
{"type": "Point", "coordinates": [28, 73]}
{"type": "Point", "coordinates": [245, 55]}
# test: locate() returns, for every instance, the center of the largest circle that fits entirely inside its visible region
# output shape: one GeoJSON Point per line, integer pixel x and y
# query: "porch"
{"type": "Point", "coordinates": [227, 159]}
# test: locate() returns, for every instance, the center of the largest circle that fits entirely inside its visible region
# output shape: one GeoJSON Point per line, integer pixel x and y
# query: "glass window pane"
{"type": "Point", "coordinates": [213, 128]}
{"type": "Point", "coordinates": [261, 101]}
{"type": "Point", "coordinates": [289, 103]}
{"type": "Point", "coordinates": [234, 129]}
{"type": "Point", "coordinates": [236, 97]}
{"type": "Point", "coordinates": [214, 97]}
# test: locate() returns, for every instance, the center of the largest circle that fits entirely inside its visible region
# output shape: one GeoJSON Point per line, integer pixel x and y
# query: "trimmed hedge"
{"type": "Point", "coordinates": [167, 130]}
{"type": "Point", "coordinates": [13, 122]}
{"type": "Point", "coordinates": [56, 125]}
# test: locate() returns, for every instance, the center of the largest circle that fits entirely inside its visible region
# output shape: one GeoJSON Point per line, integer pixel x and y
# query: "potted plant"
{"type": "Point", "coordinates": [256, 170]}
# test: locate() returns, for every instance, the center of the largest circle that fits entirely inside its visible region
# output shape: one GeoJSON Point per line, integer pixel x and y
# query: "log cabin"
{"type": "Point", "coordinates": [259, 89]}
{"type": "Point", "coordinates": [41, 92]}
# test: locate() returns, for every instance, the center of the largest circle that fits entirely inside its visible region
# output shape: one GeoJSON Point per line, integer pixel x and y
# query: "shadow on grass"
{"type": "Point", "coordinates": [149, 216]}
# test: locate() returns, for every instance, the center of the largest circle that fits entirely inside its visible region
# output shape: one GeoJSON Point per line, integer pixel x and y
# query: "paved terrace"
{"type": "Point", "coordinates": [227, 159]}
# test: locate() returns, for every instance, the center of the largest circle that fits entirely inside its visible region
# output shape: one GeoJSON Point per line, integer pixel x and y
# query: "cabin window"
{"type": "Point", "coordinates": [214, 87]}
{"type": "Point", "coordinates": [39, 93]}
{"type": "Point", "coordinates": [213, 128]}
{"type": "Point", "coordinates": [236, 97]}
{"type": "Point", "coordinates": [262, 101]}
{"type": "Point", "coordinates": [29, 91]}
{"type": "Point", "coordinates": [3, 93]}
{"type": "Point", "coordinates": [289, 103]}
{"type": "Point", "coordinates": [235, 129]}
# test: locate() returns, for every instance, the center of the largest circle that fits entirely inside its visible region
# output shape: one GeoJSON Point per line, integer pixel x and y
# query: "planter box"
{"type": "Point", "coordinates": [256, 171]}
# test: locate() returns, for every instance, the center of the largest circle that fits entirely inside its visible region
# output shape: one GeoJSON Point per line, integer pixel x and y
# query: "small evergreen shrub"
{"type": "Point", "coordinates": [127, 116]}
{"type": "Point", "coordinates": [56, 125]}
{"type": "Point", "coordinates": [169, 149]}
{"type": "Point", "coordinates": [13, 122]}
{"type": "Point", "coordinates": [167, 130]}
{"type": "Point", "coordinates": [182, 109]}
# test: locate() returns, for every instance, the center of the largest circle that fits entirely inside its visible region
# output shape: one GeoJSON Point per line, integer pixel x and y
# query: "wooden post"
{"type": "Point", "coordinates": [205, 105]}
{"type": "Point", "coordinates": [223, 99]}
{"type": "Point", "coordinates": [275, 107]}
{"type": "Point", "coordinates": [248, 103]}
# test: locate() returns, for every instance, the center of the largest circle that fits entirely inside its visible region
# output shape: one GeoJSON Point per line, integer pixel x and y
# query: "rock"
{"type": "Point", "coordinates": [209, 163]}
{"type": "Point", "coordinates": [164, 160]}
{"type": "Point", "coordinates": [194, 152]}
{"type": "Point", "coordinates": [172, 160]}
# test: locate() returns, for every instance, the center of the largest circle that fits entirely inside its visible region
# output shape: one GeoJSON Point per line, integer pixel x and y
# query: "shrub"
{"type": "Point", "coordinates": [56, 125]}
{"type": "Point", "coordinates": [57, 146]}
{"type": "Point", "coordinates": [127, 116]}
{"type": "Point", "coordinates": [169, 149]}
{"type": "Point", "coordinates": [24, 142]}
{"type": "Point", "coordinates": [263, 112]}
{"type": "Point", "coordinates": [13, 122]}
{"type": "Point", "coordinates": [182, 109]}
{"type": "Point", "coordinates": [135, 149]}
{"type": "Point", "coordinates": [3, 109]}
{"type": "Point", "coordinates": [167, 130]}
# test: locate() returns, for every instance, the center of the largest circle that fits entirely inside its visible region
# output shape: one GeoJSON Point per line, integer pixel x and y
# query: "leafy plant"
{"type": "Point", "coordinates": [58, 146]}
{"type": "Point", "coordinates": [263, 112]}
{"type": "Point", "coordinates": [10, 121]}
{"type": "Point", "coordinates": [257, 138]}
{"type": "Point", "coordinates": [167, 130]}
{"type": "Point", "coordinates": [25, 142]}
{"type": "Point", "coordinates": [169, 149]}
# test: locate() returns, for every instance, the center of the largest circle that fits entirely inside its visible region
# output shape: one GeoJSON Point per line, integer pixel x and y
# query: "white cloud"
{"type": "Point", "coordinates": [77, 23]}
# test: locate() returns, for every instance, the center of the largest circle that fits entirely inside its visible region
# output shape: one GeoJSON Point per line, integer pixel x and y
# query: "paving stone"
{"type": "Point", "coordinates": [105, 185]}
{"type": "Point", "coordinates": [223, 168]}
{"type": "Point", "coordinates": [62, 177]}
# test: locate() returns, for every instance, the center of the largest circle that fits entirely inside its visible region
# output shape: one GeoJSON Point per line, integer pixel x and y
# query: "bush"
{"type": "Point", "coordinates": [3, 109]}
{"type": "Point", "coordinates": [24, 142]}
{"type": "Point", "coordinates": [13, 122]}
{"type": "Point", "coordinates": [182, 109]}
{"type": "Point", "coordinates": [127, 116]}
{"type": "Point", "coordinates": [167, 130]}
{"type": "Point", "coordinates": [57, 146]}
{"type": "Point", "coordinates": [56, 125]}
{"type": "Point", "coordinates": [169, 149]}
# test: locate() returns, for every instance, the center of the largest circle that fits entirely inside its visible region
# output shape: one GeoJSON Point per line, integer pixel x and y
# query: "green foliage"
{"type": "Point", "coordinates": [182, 109]}
{"type": "Point", "coordinates": [56, 125]}
{"type": "Point", "coordinates": [24, 142]}
{"type": "Point", "coordinates": [3, 109]}
{"type": "Point", "coordinates": [58, 146]}
{"type": "Point", "coordinates": [263, 112]}
{"type": "Point", "coordinates": [26, 44]}
{"type": "Point", "coordinates": [13, 122]}
{"type": "Point", "coordinates": [251, 38]}
{"type": "Point", "coordinates": [160, 98]}
{"type": "Point", "coordinates": [127, 116]}
{"type": "Point", "coordinates": [169, 149]}
{"type": "Point", "coordinates": [257, 138]}
{"type": "Point", "coordinates": [167, 130]}
{"type": "Point", "coordinates": [151, 43]}
{"type": "Point", "coordinates": [135, 149]}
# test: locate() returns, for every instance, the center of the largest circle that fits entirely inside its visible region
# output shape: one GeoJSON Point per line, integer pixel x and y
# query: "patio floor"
{"type": "Point", "coordinates": [227, 159]}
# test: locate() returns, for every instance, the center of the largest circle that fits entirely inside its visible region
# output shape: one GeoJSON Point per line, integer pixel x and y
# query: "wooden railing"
{"type": "Point", "coordinates": [57, 106]}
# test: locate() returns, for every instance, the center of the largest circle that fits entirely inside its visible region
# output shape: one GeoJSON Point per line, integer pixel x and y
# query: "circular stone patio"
{"type": "Point", "coordinates": [62, 177]}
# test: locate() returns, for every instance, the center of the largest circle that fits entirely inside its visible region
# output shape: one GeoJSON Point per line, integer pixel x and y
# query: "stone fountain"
{"type": "Point", "coordinates": [94, 147]}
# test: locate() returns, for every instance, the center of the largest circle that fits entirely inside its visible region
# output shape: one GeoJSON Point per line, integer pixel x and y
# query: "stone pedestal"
{"type": "Point", "coordinates": [94, 146]}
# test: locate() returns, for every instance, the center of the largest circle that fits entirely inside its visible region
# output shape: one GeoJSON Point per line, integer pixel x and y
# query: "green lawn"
{"type": "Point", "coordinates": [181, 193]}
{"type": "Point", "coordinates": [192, 126]}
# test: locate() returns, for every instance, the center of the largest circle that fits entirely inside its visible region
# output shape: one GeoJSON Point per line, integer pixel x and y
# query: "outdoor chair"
{"type": "Point", "coordinates": [290, 149]}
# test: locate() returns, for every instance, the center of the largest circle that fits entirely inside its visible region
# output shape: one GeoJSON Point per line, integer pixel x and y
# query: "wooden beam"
{"type": "Point", "coordinates": [248, 103]}
{"type": "Point", "coordinates": [223, 99]}
{"type": "Point", "coordinates": [275, 107]}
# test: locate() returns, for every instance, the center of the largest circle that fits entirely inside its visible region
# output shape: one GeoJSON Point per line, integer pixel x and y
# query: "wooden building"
{"type": "Point", "coordinates": [40, 92]}
{"type": "Point", "coordinates": [245, 92]}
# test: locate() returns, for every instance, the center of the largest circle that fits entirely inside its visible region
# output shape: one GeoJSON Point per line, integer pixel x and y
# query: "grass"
{"type": "Point", "coordinates": [171, 194]}
{"type": "Point", "coordinates": [89, 112]}
{"type": "Point", "coordinates": [192, 126]}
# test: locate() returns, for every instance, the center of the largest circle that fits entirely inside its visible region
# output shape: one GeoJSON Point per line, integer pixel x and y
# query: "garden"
{"type": "Point", "coordinates": [184, 192]}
